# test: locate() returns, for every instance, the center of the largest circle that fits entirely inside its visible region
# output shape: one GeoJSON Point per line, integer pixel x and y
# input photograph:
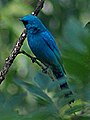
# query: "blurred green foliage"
{"type": "Point", "coordinates": [29, 94]}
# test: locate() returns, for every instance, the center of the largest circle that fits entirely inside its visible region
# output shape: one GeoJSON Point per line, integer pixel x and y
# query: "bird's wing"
{"type": "Point", "coordinates": [49, 40]}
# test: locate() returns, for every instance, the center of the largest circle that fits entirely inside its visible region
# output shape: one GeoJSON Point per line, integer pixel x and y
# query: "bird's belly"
{"type": "Point", "coordinates": [37, 48]}
{"type": "Point", "coordinates": [41, 50]}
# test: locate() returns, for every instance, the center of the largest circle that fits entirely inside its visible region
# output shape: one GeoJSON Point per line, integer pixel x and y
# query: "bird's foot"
{"type": "Point", "coordinates": [44, 70]}
{"type": "Point", "coordinates": [33, 59]}
{"type": "Point", "coordinates": [48, 71]}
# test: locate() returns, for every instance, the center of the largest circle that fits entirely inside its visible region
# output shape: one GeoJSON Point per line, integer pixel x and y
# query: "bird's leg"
{"type": "Point", "coordinates": [47, 70]}
{"type": "Point", "coordinates": [33, 59]}
{"type": "Point", "coordinates": [44, 70]}
{"type": "Point", "coordinates": [50, 74]}
{"type": "Point", "coordinates": [25, 53]}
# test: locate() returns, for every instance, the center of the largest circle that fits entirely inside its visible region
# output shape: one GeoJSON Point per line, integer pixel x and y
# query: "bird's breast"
{"type": "Point", "coordinates": [41, 49]}
{"type": "Point", "coordinates": [34, 42]}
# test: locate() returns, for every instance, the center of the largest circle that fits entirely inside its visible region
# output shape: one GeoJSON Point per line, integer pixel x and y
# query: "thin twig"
{"type": "Point", "coordinates": [33, 59]}
{"type": "Point", "coordinates": [45, 68]}
{"type": "Point", "coordinates": [18, 45]}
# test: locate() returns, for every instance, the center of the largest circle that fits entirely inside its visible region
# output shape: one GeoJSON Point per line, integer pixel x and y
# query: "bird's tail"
{"type": "Point", "coordinates": [59, 75]}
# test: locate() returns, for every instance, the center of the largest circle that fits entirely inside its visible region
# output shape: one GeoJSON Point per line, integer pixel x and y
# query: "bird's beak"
{"type": "Point", "coordinates": [24, 22]}
{"type": "Point", "coordinates": [21, 19]}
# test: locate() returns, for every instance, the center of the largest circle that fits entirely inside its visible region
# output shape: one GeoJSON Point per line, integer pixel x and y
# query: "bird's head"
{"type": "Point", "coordinates": [32, 23]}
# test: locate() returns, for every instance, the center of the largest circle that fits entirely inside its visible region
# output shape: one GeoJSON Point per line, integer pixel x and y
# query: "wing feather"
{"type": "Point", "coordinates": [49, 40]}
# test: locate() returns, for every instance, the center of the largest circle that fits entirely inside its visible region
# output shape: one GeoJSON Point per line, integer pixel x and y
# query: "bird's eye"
{"type": "Point", "coordinates": [25, 22]}
{"type": "Point", "coordinates": [35, 29]}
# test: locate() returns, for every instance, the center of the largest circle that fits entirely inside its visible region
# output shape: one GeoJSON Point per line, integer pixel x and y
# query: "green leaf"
{"type": "Point", "coordinates": [9, 115]}
{"type": "Point", "coordinates": [74, 109]}
{"type": "Point", "coordinates": [76, 55]}
{"type": "Point", "coordinates": [42, 80]}
{"type": "Point", "coordinates": [52, 86]}
{"type": "Point", "coordinates": [10, 102]}
{"type": "Point", "coordinates": [84, 118]}
{"type": "Point", "coordinates": [34, 89]}
{"type": "Point", "coordinates": [73, 34]}
{"type": "Point", "coordinates": [42, 114]}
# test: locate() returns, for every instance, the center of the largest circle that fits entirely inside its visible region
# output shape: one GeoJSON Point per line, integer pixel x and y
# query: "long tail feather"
{"type": "Point", "coordinates": [63, 83]}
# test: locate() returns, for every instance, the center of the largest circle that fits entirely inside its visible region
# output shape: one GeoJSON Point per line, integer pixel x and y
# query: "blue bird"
{"type": "Point", "coordinates": [44, 47]}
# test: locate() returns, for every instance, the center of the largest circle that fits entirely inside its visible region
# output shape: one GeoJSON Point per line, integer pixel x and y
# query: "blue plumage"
{"type": "Point", "coordinates": [44, 47]}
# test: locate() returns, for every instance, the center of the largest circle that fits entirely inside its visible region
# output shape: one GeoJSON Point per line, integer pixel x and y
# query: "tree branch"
{"type": "Point", "coordinates": [12, 56]}
{"type": "Point", "coordinates": [45, 68]}
{"type": "Point", "coordinates": [18, 45]}
{"type": "Point", "coordinates": [33, 59]}
{"type": "Point", "coordinates": [39, 7]}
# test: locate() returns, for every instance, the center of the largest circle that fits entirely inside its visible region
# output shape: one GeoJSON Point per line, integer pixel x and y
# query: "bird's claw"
{"type": "Point", "coordinates": [33, 59]}
{"type": "Point", "coordinates": [44, 70]}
